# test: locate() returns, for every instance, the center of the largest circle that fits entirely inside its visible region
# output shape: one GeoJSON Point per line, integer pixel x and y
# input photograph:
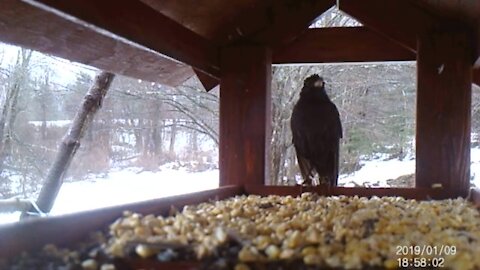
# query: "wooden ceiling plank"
{"type": "Point", "coordinates": [341, 44]}
{"type": "Point", "coordinates": [398, 20]}
{"type": "Point", "coordinates": [334, 45]}
{"type": "Point", "coordinates": [26, 26]}
{"type": "Point", "coordinates": [404, 20]}
{"type": "Point", "coordinates": [464, 11]}
{"type": "Point", "coordinates": [291, 19]}
{"type": "Point", "coordinates": [245, 115]}
{"type": "Point", "coordinates": [136, 22]}
{"type": "Point", "coordinates": [443, 111]}
{"type": "Point", "coordinates": [275, 23]}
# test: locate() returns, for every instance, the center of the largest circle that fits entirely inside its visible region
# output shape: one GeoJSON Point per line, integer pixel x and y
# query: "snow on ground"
{"type": "Point", "coordinates": [54, 123]}
{"type": "Point", "coordinates": [126, 186]}
{"type": "Point", "coordinates": [475, 165]}
{"type": "Point", "coordinates": [377, 172]}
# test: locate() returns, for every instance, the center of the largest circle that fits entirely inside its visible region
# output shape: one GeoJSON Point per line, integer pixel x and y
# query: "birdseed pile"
{"type": "Point", "coordinates": [306, 232]}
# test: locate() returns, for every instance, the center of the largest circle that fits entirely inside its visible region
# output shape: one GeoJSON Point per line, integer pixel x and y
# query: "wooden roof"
{"type": "Point", "coordinates": [161, 40]}
{"type": "Point", "coordinates": [24, 25]}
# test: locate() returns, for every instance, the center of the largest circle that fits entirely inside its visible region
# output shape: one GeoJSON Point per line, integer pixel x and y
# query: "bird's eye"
{"type": "Point", "coordinates": [319, 83]}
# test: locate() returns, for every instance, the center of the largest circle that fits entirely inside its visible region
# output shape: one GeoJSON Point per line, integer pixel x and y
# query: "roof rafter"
{"type": "Point", "coordinates": [341, 44]}
{"type": "Point", "coordinates": [138, 23]}
{"type": "Point", "coordinates": [207, 81]}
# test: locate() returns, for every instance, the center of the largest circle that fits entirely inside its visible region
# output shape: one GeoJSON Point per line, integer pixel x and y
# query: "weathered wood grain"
{"type": "Point", "coordinates": [341, 44]}
{"type": "Point", "coordinates": [410, 193]}
{"type": "Point", "coordinates": [245, 114]}
{"type": "Point", "coordinates": [24, 25]}
{"type": "Point", "coordinates": [444, 78]}
{"type": "Point", "coordinates": [140, 24]}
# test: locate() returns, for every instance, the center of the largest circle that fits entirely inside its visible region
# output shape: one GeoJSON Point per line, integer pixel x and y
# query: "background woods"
{"type": "Point", "coordinates": [140, 124]}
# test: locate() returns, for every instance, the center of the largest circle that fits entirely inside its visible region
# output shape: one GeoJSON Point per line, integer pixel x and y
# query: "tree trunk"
{"type": "Point", "coordinates": [138, 133]}
{"type": "Point", "coordinates": [9, 110]}
{"type": "Point", "coordinates": [194, 142]}
{"type": "Point", "coordinates": [43, 129]}
{"type": "Point", "coordinates": [173, 135]}
{"type": "Point", "coordinates": [71, 142]}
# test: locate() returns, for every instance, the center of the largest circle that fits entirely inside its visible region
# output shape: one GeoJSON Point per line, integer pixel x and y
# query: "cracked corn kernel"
{"type": "Point", "coordinates": [273, 252]}
{"type": "Point", "coordinates": [287, 254]}
{"type": "Point", "coordinates": [391, 264]}
{"type": "Point", "coordinates": [309, 251]}
{"type": "Point", "coordinates": [242, 266]}
{"type": "Point", "coordinates": [248, 254]}
{"type": "Point", "coordinates": [90, 264]}
{"type": "Point", "coordinates": [312, 259]}
{"type": "Point", "coordinates": [107, 267]}
{"type": "Point", "coordinates": [144, 251]}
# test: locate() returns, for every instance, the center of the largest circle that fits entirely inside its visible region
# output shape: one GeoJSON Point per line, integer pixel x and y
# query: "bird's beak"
{"type": "Point", "coordinates": [319, 83]}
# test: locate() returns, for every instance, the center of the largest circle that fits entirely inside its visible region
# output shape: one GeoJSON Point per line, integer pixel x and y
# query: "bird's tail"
{"type": "Point", "coordinates": [306, 170]}
{"type": "Point", "coordinates": [336, 162]}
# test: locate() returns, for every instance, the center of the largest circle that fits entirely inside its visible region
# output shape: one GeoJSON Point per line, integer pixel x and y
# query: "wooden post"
{"type": "Point", "coordinates": [245, 114]}
{"type": "Point", "coordinates": [444, 70]}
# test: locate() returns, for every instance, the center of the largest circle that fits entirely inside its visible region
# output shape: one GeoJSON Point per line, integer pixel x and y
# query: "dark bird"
{"type": "Point", "coordinates": [316, 131]}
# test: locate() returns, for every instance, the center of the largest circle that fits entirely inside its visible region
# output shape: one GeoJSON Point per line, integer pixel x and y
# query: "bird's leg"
{"type": "Point", "coordinates": [324, 180]}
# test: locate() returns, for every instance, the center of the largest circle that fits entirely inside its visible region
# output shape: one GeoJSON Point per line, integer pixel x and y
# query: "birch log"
{"type": "Point", "coordinates": [14, 204]}
{"type": "Point", "coordinates": [71, 142]}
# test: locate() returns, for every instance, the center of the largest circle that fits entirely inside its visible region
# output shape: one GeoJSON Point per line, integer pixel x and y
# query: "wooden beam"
{"type": "Point", "coordinates": [138, 23]}
{"type": "Point", "coordinates": [341, 44]}
{"type": "Point", "coordinates": [24, 25]}
{"type": "Point", "coordinates": [245, 114]}
{"type": "Point", "coordinates": [35, 233]}
{"type": "Point", "coordinates": [275, 22]}
{"type": "Point", "coordinates": [444, 110]}
{"type": "Point", "coordinates": [207, 81]}
{"type": "Point", "coordinates": [333, 45]}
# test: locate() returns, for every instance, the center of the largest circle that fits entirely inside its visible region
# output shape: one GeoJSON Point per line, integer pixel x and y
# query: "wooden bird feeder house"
{"type": "Point", "coordinates": [234, 44]}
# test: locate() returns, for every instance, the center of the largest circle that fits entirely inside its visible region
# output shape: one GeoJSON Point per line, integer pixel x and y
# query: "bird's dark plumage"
{"type": "Point", "coordinates": [316, 130]}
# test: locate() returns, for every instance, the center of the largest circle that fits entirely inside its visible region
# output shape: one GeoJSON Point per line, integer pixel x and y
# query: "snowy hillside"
{"type": "Point", "coordinates": [376, 172]}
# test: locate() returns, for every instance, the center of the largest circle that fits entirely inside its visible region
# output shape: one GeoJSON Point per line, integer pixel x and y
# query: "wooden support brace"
{"type": "Point", "coordinates": [443, 110]}
{"type": "Point", "coordinates": [476, 76]}
{"type": "Point", "coordinates": [245, 114]}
